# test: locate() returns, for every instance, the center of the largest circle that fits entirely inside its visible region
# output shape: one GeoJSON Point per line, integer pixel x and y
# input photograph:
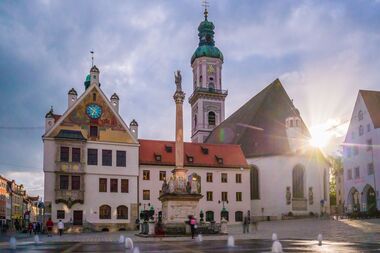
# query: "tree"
{"type": "Point", "coordinates": [336, 169]}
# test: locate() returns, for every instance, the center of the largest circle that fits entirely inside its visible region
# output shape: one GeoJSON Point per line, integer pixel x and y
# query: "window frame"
{"type": "Point", "coordinates": [63, 154]}
{"type": "Point", "coordinates": [209, 196]}
{"type": "Point", "coordinates": [124, 183]}
{"type": "Point", "coordinates": [224, 178]}
{"type": "Point", "coordinates": [114, 185]}
{"type": "Point", "coordinates": [146, 194]}
{"type": "Point", "coordinates": [209, 177]}
{"type": "Point", "coordinates": [238, 178]}
{"type": "Point", "coordinates": [67, 182]}
{"type": "Point", "coordinates": [121, 158]}
{"type": "Point", "coordinates": [76, 182]}
{"type": "Point", "coordinates": [92, 158]}
{"type": "Point", "coordinates": [107, 157]}
{"type": "Point", "coordinates": [107, 215]}
{"type": "Point", "coordinates": [146, 175]}
{"type": "Point", "coordinates": [103, 185]}
{"type": "Point", "coordinates": [60, 214]}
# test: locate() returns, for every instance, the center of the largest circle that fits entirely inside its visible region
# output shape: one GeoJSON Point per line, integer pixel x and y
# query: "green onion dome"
{"type": "Point", "coordinates": [206, 46]}
{"type": "Point", "coordinates": [87, 81]}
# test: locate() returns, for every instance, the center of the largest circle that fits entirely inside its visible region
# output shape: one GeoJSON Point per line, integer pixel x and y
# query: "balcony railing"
{"type": "Point", "coordinates": [69, 197]}
{"type": "Point", "coordinates": [210, 91]}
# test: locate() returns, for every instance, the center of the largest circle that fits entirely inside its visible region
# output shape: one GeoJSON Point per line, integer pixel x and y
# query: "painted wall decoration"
{"type": "Point", "coordinates": [79, 115]}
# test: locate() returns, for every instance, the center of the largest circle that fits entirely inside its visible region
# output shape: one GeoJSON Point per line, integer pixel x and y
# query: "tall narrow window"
{"type": "Point", "coordinates": [254, 176]}
{"type": "Point", "coordinates": [64, 182]}
{"type": "Point", "coordinates": [121, 158]}
{"type": "Point", "coordinates": [369, 145]}
{"type": "Point", "coordinates": [75, 155]}
{"type": "Point", "coordinates": [298, 182]}
{"type": "Point", "coordinates": [224, 177]}
{"type": "Point", "coordinates": [238, 196]}
{"type": "Point", "coordinates": [104, 212]}
{"type": "Point", "coordinates": [102, 184]}
{"type": "Point", "coordinates": [349, 174]}
{"type": "Point", "coordinates": [92, 156]}
{"type": "Point", "coordinates": [94, 94]}
{"type": "Point", "coordinates": [360, 115]}
{"type": "Point", "coordinates": [75, 182]}
{"type": "Point", "coordinates": [124, 185]}
{"type": "Point", "coordinates": [238, 178]}
{"type": "Point", "coordinates": [113, 185]}
{"type": "Point", "coordinates": [357, 172]}
{"type": "Point", "coordinates": [65, 154]}
{"type": "Point", "coordinates": [224, 196]}
{"type": "Point", "coordinates": [209, 177]}
{"type": "Point", "coordinates": [361, 130]}
{"type": "Point", "coordinates": [209, 196]}
{"type": "Point", "coordinates": [211, 118]}
{"type": "Point", "coordinates": [106, 157]}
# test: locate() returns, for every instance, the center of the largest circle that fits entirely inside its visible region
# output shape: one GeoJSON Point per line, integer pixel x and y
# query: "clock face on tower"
{"type": "Point", "coordinates": [94, 111]}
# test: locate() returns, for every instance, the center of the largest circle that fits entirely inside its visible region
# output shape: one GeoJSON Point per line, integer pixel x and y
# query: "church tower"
{"type": "Point", "coordinates": [207, 100]}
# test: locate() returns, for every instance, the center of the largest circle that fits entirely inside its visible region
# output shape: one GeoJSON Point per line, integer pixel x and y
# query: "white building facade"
{"type": "Point", "coordinates": [361, 160]}
{"type": "Point", "coordinates": [90, 162]}
{"type": "Point", "coordinates": [224, 182]}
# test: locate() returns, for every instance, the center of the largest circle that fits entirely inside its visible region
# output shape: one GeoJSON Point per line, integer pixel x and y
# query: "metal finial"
{"type": "Point", "coordinates": [205, 4]}
{"type": "Point", "coordinates": [92, 58]}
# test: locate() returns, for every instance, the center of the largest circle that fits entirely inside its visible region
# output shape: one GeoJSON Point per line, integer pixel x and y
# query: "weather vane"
{"type": "Point", "coordinates": [92, 58]}
{"type": "Point", "coordinates": [205, 4]}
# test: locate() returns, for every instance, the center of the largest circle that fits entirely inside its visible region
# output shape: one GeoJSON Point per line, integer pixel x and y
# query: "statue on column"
{"type": "Point", "coordinates": [178, 80]}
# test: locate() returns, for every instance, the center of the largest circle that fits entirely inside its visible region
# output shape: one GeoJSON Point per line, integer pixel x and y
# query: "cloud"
{"type": "Point", "coordinates": [323, 52]}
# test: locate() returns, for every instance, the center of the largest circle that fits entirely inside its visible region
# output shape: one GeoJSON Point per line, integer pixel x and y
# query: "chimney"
{"type": "Point", "coordinates": [72, 96]}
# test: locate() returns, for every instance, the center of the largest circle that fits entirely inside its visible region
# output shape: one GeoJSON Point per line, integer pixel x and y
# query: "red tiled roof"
{"type": "Point", "coordinates": [232, 155]}
{"type": "Point", "coordinates": [372, 102]}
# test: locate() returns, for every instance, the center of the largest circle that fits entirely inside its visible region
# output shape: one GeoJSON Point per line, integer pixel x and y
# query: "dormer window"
{"type": "Point", "coordinates": [204, 150]}
{"type": "Point", "coordinates": [190, 159]}
{"type": "Point", "coordinates": [157, 157]}
{"type": "Point", "coordinates": [168, 149]}
{"type": "Point", "coordinates": [219, 160]}
{"type": "Point", "coordinates": [94, 97]}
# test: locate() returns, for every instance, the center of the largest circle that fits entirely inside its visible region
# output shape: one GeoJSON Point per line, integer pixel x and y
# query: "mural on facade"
{"type": "Point", "coordinates": [79, 116]}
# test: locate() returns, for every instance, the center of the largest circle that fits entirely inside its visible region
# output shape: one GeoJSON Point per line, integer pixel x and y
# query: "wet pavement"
{"type": "Point", "coordinates": [219, 246]}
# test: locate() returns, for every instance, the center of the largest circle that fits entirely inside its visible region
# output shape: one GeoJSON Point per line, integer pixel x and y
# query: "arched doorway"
{"type": "Point", "coordinates": [369, 199]}
{"type": "Point", "coordinates": [353, 200]}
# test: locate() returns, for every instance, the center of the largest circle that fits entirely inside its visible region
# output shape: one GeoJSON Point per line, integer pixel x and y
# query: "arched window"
{"type": "Point", "coordinates": [254, 173]}
{"type": "Point", "coordinates": [361, 130]}
{"type": "Point", "coordinates": [298, 182]}
{"type": "Point", "coordinates": [209, 216]}
{"type": "Point", "coordinates": [122, 212]}
{"type": "Point", "coordinates": [104, 212]}
{"type": "Point", "coordinates": [239, 216]}
{"type": "Point", "coordinates": [195, 121]}
{"type": "Point", "coordinates": [291, 123]}
{"type": "Point", "coordinates": [211, 118]}
{"type": "Point", "coordinates": [224, 214]}
{"type": "Point", "coordinates": [360, 115]}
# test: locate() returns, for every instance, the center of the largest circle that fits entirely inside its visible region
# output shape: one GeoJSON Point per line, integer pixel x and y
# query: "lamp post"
{"type": "Point", "coordinates": [224, 212]}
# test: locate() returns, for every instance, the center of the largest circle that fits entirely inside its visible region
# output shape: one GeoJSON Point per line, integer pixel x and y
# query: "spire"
{"type": "Point", "coordinates": [205, 4]}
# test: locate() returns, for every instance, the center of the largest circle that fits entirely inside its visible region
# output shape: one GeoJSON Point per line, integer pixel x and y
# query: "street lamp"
{"type": "Point", "coordinates": [224, 212]}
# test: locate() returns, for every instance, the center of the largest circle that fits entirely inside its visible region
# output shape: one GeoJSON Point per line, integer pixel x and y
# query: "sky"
{"type": "Point", "coordinates": [323, 52]}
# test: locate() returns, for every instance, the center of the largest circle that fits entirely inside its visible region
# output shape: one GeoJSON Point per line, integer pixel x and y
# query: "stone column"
{"type": "Point", "coordinates": [179, 97]}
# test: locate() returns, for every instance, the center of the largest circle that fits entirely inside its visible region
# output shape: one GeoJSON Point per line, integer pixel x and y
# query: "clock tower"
{"type": "Point", "coordinates": [207, 100]}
